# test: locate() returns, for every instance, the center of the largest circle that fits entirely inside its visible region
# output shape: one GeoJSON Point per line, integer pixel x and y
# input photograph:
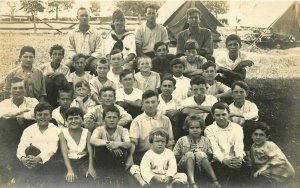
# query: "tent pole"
{"type": "Point", "coordinates": [261, 35]}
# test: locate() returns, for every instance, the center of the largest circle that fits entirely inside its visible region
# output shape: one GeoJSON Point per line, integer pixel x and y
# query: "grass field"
{"type": "Point", "coordinates": [274, 81]}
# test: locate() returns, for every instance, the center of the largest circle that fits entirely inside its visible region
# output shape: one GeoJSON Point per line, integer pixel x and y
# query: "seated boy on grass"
{"type": "Point", "coordinates": [38, 144]}
{"type": "Point", "coordinates": [16, 113]}
{"type": "Point", "coordinates": [200, 103]}
{"type": "Point", "coordinates": [193, 61]}
{"type": "Point", "coordinates": [116, 62]}
{"type": "Point", "coordinates": [79, 64]}
{"type": "Point", "coordinates": [34, 79]}
{"type": "Point", "coordinates": [55, 67]}
{"type": "Point", "coordinates": [215, 88]}
{"type": "Point", "coordinates": [94, 117]}
{"type": "Point", "coordinates": [111, 143]}
{"type": "Point", "coordinates": [65, 98]}
{"type": "Point", "coordinates": [158, 165]}
{"type": "Point", "coordinates": [83, 98]}
{"type": "Point", "coordinates": [97, 83]}
{"type": "Point", "coordinates": [147, 79]}
{"type": "Point", "coordinates": [140, 130]}
{"type": "Point", "coordinates": [182, 90]}
{"type": "Point", "coordinates": [161, 61]}
{"type": "Point", "coordinates": [232, 64]}
{"type": "Point", "coordinates": [129, 97]}
{"type": "Point", "coordinates": [242, 111]}
{"type": "Point", "coordinates": [76, 148]}
{"type": "Point", "coordinates": [226, 139]}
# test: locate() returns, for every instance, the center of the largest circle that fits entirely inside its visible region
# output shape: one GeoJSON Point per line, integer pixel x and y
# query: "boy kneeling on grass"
{"type": "Point", "coordinates": [158, 165]}
{"type": "Point", "coordinates": [76, 148]}
{"type": "Point", "coordinates": [111, 143]}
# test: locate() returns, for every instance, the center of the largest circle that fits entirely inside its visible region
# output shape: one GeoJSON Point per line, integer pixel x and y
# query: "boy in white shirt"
{"type": "Point", "coordinates": [227, 144]}
{"type": "Point", "coordinates": [38, 144]}
{"type": "Point", "coordinates": [116, 62]}
{"type": "Point", "coordinates": [158, 165]}
{"type": "Point", "coordinates": [129, 97]}
{"type": "Point", "coordinates": [242, 111]}
{"type": "Point", "coordinates": [65, 98]}
{"type": "Point", "coordinates": [182, 87]}
{"type": "Point", "coordinates": [200, 103]}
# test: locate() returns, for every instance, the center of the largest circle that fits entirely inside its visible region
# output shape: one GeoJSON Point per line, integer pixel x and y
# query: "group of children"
{"type": "Point", "coordinates": [115, 121]}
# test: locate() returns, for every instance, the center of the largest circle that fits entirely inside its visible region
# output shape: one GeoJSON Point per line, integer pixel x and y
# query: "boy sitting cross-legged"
{"type": "Point", "coordinates": [111, 143]}
{"type": "Point", "coordinates": [158, 165]}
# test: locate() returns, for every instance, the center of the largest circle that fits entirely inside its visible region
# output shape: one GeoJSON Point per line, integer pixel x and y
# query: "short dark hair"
{"type": "Point", "coordinates": [197, 80]}
{"type": "Point", "coordinates": [233, 37]}
{"type": "Point", "coordinates": [103, 60]}
{"type": "Point", "coordinates": [160, 43]}
{"type": "Point", "coordinates": [13, 80]}
{"type": "Point", "coordinates": [81, 83]}
{"type": "Point", "coordinates": [83, 8]}
{"type": "Point", "coordinates": [221, 106]}
{"type": "Point", "coordinates": [177, 61]}
{"type": "Point", "coordinates": [74, 111]}
{"type": "Point", "coordinates": [149, 93]}
{"type": "Point", "coordinates": [262, 126]}
{"type": "Point", "coordinates": [240, 83]}
{"type": "Point", "coordinates": [158, 132]}
{"type": "Point", "coordinates": [110, 109]}
{"type": "Point", "coordinates": [192, 11]}
{"type": "Point", "coordinates": [115, 51]}
{"type": "Point", "coordinates": [66, 89]}
{"type": "Point", "coordinates": [57, 47]}
{"type": "Point", "coordinates": [25, 49]}
{"type": "Point", "coordinates": [191, 45]}
{"type": "Point", "coordinates": [107, 88]}
{"type": "Point", "coordinates": [193, 118]}
{"type": "Point", "coordinates": [124, 73]}
{"type": "Point", "coordinates": [76, 57]}
{"type": "Point", "coordinates": [41, 107]}
{"type": "Point", "coordinates": [169, 77]}
{"type": "Point", "coordinates": [208, 64]}
{"type": "Point", "coordinates": [151, 7]}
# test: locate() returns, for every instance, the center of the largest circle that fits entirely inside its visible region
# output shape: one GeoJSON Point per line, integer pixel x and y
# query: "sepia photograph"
{"type": "Point", "coordinates": [150, 93]}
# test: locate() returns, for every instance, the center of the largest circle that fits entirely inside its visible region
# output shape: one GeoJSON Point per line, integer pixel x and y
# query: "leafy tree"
{"type": "Point", "coordinates": [32, 7]}
{"type": "Point", "coordinates": [58, 5]}
{"type": "Point", "coordinates": [95, 5]}
{"type": "Point", "coordinates": [217, 7]}
{"type": "Point", "coordinates": [135, 7]}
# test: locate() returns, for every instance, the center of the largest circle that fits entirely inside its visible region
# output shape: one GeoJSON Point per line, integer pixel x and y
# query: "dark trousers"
{"type": "Point", "coordinates": [247, 129]}
{"type": "Point", "coordinates": [49, 174]}
{"type": "Point", "coordinates": [10, 134]}
{"type": "Point", "coordinates": [108, 164]}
